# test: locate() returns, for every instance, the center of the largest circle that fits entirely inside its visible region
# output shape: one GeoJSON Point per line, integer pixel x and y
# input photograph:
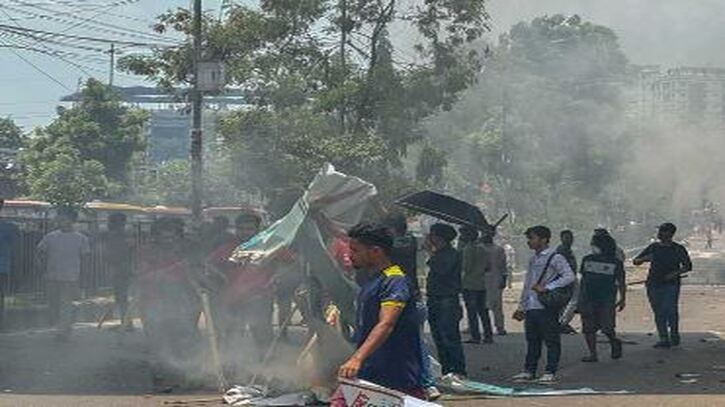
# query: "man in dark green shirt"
{"type": "Point", "coordinates": [668, 262]}
{"type": "Point", "coordinates": [474, 269]}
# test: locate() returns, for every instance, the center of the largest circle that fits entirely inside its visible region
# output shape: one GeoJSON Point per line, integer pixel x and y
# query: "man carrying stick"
{"type": "Point", "coordinates": [387, 335]}
{"type": "Point", "coordinates": [668, 262]}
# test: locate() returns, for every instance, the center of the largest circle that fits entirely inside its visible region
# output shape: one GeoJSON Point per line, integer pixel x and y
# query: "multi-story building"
{"type": "Point", "coordinates": [689, 94]}
{"type": "Point", "coordinates": [169, 126]}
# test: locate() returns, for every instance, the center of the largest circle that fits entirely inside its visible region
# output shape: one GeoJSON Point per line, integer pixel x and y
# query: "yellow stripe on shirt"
{"type": "Point", "coordinates": [393, 271]}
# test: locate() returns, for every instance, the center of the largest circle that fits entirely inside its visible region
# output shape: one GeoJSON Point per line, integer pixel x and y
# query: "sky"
{"type": "Point", "coordinates": [663, 32]}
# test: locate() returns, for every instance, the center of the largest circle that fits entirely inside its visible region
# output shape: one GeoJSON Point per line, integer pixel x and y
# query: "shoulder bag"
{"type": "Point", "coordinates": [557, 298]}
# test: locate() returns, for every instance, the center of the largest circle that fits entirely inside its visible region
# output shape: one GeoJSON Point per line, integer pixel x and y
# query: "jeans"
{"type": "Point", "coordinates": [121, 281]}
{"type": "Point", "coordinates": [542, 327]}
{"type": "Point", "coordinates": [426, 374]}
{"type": "Point", "coordinates": [477, 308]}
{"type": "Point", "coordinates": [61, 295]}
{"type": "Point", "coordinates": [444, 314]}
{"type": "Point", "coordinates": [495, 304]}
{"type": "Point", "coordinates": [664, 300]}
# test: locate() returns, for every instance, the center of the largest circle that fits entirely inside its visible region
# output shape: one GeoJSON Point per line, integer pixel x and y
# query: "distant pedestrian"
{"type": "Point", "coordinates": [568, 313]}
{"type": "Point", "coordinates": [668, 262]}
{"type": "Point", "coordinates": [9, 241]}
{"type": "Point", "coordinates": [405, 247]}
{"type": "Point", "coordinates": [496, 279]}
{"type": "Point", "coordinates": [548, 271]}
{"type": "Point", "coordinates": [66, 255]}
{"type": "Point", "coordinates": [118, 255]}
{"type": "Point", "coordinates": [246, 302]}
{"type": "Point", "coordinates": [566, 248]}
{"type": "Point", "coordinates": [168, 302]}
{"type": "Point", "coordinates": [511, 262]}
{"type": "Point", "coordinates": [444, 303]}
{"type": "Point", "coordinates": [602, 276]}
{"type": "Point", "coordinates": [475, 267]}
{"type": "Point", "coordinates": [709, 238]}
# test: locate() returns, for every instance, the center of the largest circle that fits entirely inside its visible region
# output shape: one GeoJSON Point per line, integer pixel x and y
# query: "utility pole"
{"type": "Point", "coordinates": [112, 51]}
{"type": "Point", "coordinates": [196, 112]}
{"type": "Point", "coordinates": [343, 61]}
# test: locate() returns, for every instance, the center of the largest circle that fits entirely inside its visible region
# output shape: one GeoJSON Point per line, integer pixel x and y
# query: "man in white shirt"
{"type": "Point", "coordinates": [64, 252]}
{"type": "Point", "coordinates": [541, 324]}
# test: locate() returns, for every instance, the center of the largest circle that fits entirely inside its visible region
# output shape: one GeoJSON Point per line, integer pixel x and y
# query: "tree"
{"type": "Point", "coordinates": [67, 179]}
{"type": "Point", "coordinates": [544, 125]}
{"type": "Point", "coordinates": [96, 138]}
{"type": "Point", "coordinates": [11, 136]}
{"type": "Point", "coordinates": [325, 82]}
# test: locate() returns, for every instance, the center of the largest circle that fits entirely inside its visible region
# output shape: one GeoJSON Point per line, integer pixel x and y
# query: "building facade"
{"type": "Point", "coordinates": [686, 94]}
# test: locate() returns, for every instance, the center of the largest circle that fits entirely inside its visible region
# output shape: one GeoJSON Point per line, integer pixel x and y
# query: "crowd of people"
{"type": "Point", "coordinates": [556, 287]}
{"type": "Point", "coordinates": [466, 275]}
{"type": "Point", "coordinates": [166, 275]}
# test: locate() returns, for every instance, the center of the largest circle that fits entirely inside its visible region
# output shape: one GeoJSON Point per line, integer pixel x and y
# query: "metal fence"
{"type": "Point", "coordinates": [26, 280]}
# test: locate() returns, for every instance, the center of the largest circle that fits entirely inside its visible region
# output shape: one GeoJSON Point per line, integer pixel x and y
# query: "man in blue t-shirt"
{"type": "Point", "coordinates": [387, 335]}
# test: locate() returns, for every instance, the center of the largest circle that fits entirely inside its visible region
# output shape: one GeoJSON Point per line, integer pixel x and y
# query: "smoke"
{"type": "Point", "coordinates": [667, 32]}
{"type": "Point", "coordinates": [674, 168]}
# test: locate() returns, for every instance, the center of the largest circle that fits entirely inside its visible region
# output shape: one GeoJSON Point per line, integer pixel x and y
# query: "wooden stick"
{"type": "Point", "coordinates": [213, 341]}
{"type": "Point", "coordinates": [307, 349]}
{"type": "Point", "coordinates": [500, 221]}
{"type": "Point", "coordinates": [683, 275]}
{"type": "Point", "coordinates": [273, 345]}
{"type": "Point", "coordinates": [192, 402]}
{"type": "Point", "coordinates": [106, 313]}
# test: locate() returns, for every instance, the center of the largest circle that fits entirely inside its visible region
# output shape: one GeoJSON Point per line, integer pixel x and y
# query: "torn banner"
{"type": "Point", "coordinates": [332, 203]}
{"type": "Point", "coordinates": [359, 393]}
{"type": "Point", "coordinates": [456, 385]}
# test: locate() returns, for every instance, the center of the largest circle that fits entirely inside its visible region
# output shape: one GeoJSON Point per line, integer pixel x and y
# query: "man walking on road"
{"type": "Point", "coordinates": [548, 270]}
{"type": "Point", "coordinates": [474, 270]}
{"type": "Point", "coordinates": [65, 254]}
{"type": "Point", "coordinates": [496, 279]}
{"type": "Point", "coordinates": [444, 303]}
{"type": "Point", "coordinates": [668, 262]}
{"type": "Point", "coordinates": [118, 254]}
{"type": "Point", "coordinates": [387, 335]}
{"type": "Point", "coordinates": [567, 314]}
{"type": "Point", "coordinates": [602, 276]}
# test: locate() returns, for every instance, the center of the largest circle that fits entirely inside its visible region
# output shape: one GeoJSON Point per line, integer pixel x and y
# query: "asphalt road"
{"type": "Point", "coordinates": [110, 368]}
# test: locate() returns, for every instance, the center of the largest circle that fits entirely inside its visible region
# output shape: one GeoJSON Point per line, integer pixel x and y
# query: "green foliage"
{"type": "Point", "coordinates": [169, 184]}
{"type": "Point", "coordinates": [11, 136]}
{"type": "Point", "coordinates": [313, 97]}
{"type": "Point", "coordinates": [279, 152]}
{"type": "Point", "coordinates": [67, 179]}
{"type": "Point", "coordinates": [96, 138]}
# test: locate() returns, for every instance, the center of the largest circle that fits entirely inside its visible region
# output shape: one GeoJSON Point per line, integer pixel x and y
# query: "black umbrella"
{"type": "Point", "coordinates": [446, 208]}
